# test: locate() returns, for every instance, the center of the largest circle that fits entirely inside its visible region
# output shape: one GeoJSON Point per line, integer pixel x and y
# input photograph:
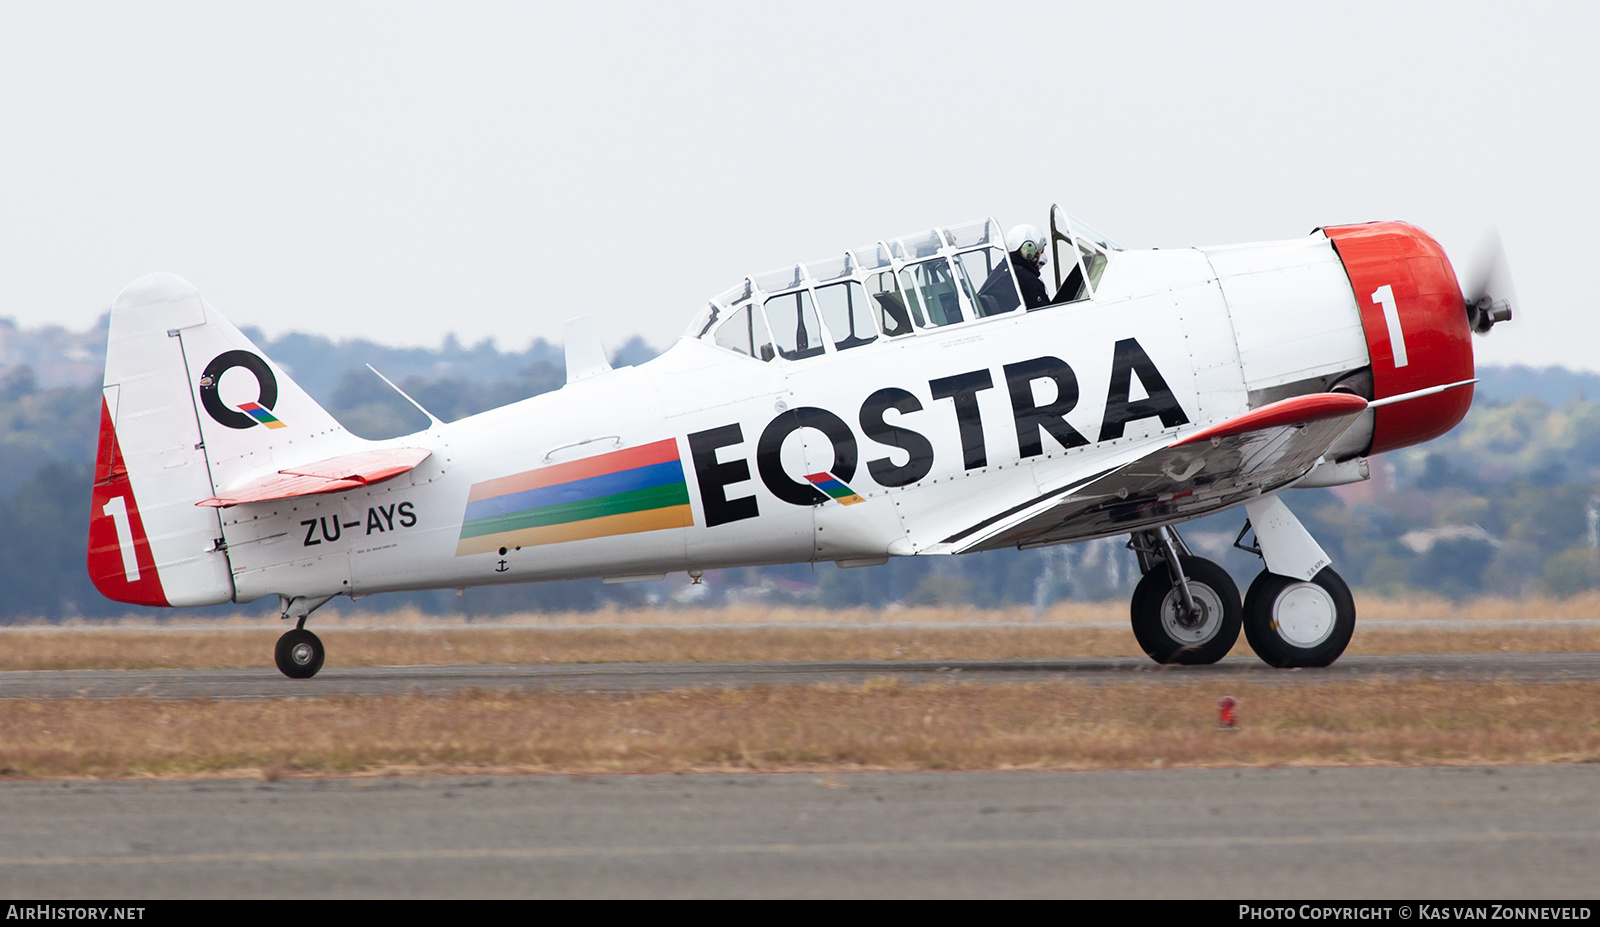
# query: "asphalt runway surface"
{"type": "Point", "coordinates": [1393, 833]}
{"type": "Point", "coordinates": [650, 677]}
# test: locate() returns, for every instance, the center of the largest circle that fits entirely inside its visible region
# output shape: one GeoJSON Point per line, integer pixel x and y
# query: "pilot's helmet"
{"type": "Point", "coordinates": [1027, 242]}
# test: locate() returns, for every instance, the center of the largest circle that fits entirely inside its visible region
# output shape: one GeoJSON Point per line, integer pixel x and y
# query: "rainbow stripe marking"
{"type": "Point", "coordinates": [258, 412]}
{"type": "Point", "coordinates": [623, 492]}
{"type": "Point", "coordinates": [834, 487]}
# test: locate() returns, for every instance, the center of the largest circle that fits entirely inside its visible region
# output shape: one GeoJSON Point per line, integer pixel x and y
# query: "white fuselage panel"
{"type": "Point", "coordinates": [1286, 315]}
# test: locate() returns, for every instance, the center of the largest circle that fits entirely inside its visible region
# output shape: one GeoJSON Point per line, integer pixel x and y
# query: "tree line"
{"type": "Point", "coordinates": [1506, 504]}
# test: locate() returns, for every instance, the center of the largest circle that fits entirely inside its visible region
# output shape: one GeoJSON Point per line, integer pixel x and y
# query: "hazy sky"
{"type": "Point", "coordinates": [401, 170]}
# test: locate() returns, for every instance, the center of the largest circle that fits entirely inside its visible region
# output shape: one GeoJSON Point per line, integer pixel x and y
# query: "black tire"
{"type": "Point", "coordinates": [1290, 623]}
{"type": "Point", "coordinates": [1156, 607]}
{"type": "Point", "coordinates": [299, 654]}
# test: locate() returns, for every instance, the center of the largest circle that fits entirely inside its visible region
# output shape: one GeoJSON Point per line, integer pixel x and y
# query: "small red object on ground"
{"type": "Point", "coordinates": [1228, 712]}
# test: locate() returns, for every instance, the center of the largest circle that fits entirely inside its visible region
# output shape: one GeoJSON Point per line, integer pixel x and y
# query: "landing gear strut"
{"type": "Point", "coordinates": [300, 653]}
{"type": "Point", "coordinates": [1186, 609]}
{"type": "Point", "coordinates": [1299, 612]}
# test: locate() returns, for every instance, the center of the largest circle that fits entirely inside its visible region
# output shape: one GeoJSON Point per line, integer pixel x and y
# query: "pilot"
{"type": "Point", "coordinates": [1026, 244]}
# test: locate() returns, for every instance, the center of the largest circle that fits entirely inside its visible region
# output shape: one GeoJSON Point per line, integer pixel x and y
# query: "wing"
{"type": "Point", "coordinates": [331, 475]}
{"type": "Point", "coordinates": [1212, 469]}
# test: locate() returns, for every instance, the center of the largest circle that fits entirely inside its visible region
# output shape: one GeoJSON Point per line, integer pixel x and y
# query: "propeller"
{"type": "Point", "coordinates": [1489, 293]}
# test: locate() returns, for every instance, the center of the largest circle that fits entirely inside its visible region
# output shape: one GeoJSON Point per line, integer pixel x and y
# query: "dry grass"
{"type": "Point", "coordinates": [1486, 608]}
{"type": "Point", "coordinates": [34, 649]}
{"type": "Point", "coordinates": [465, 645]}
{"type": "Point", "coordinates": [879, 725]}
{"type": "Point", "coordinates": [1546, 639]}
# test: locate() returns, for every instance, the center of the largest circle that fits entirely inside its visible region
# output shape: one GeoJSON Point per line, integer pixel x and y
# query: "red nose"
{"type": "Point", "coordinates": [1416, 326]}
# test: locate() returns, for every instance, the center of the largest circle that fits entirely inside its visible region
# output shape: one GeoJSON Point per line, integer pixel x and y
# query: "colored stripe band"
{"type": "Point", "coordinates": [622, 492]}
{"type": "Point", "coordinates": [261, 415]}
{"type": "Point", "coordinates": [681, 516]}
{"type": "Point", "coordinates": [836, 489]}
{"type": "Point", "coordinates": [642, 456]}
{"type": "Point", "coordinates": [576, 491]}
{"type": "Point", "coordinates": [621, 503]}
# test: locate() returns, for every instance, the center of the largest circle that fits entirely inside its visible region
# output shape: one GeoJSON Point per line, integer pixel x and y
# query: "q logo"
{"type": "Point", "coordinates": [832, 483]}
{"type": "Point", "coordinates": [253, 413]}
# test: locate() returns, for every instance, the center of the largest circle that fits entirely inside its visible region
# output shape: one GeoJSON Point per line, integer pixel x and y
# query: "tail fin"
{"type": "Point", "coordinates": [190, 404]}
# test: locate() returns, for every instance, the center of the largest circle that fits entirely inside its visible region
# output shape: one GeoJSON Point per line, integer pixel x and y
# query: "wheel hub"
{"type": "Point", "coordinates": [302, 654]}
{"type": "Point", "coordinates": [1202, 624]}
{"type": "Point", "coordinates": [1305, 615]}
{"type": "Point", "coordinates": [1191, 619]}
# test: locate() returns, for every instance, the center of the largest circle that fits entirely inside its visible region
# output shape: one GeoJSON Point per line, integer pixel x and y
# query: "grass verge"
{"type": "Point", "coordinates": [39, 649]}
{"type": "Point", "coordinates": [878, 725]}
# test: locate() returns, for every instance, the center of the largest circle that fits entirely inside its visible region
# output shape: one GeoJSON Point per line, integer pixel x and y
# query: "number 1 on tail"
{"type": "Point", "coordinates": [117, 511]}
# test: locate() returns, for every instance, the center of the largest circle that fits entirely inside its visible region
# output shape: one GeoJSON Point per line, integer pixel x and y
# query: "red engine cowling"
{"type": "Point", "coordinates": [1416, 326]}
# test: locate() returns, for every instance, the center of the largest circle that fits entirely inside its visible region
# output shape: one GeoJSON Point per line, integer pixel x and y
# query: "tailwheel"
{"type": "Point", "coordinates": [299, 654]}
{"type": "Point", "coordinates": [1290, 623]}
{"type": "Point", "coordinates": [1171, 631]}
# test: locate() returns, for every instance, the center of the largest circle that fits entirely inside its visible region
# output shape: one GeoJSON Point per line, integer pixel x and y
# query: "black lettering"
{"type": "Point", "coordinates": [387, 511]}
{"type": "Point", "coordinates": [336, 529]}
{"type": "Point", "coordinates": [1032, 419]}
{"type": "Point", "coordinates": [964, 388]}
{"type": "Point", "coordinates": [408, 516]}
{"type": "Point", "coordinates": [353, 524]}
{"type": "Point", "coordinates": [311, 528]}
{"type": "Point", "coordinates": [918, 447]}
{"type": "Point", "coordinates": [1130, 359]}
{"type": "Point", "coordinates": [373, 522]}
{"type": "Point", "coordinates": [770, 465]}
{"type": "Point", "coordinates": [714, 477]}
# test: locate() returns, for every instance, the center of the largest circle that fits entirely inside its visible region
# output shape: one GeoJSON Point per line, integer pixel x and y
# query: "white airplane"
{"type": "Point", "coordinates": [915, 397]}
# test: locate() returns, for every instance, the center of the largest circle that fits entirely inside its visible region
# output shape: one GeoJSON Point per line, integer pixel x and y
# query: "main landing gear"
{"type": "Point", "coordinates": [1298, 612]}
{"type": "Point", "coordinates": [1186, 609]}
{"type": "Point", "coordinates": [300, 653]}
{"type": "Point", "coordinates": [1292, 623]}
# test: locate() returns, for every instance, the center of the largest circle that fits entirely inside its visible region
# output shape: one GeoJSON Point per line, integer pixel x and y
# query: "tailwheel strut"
{"type": "Point", "coordinates": [299, 653]}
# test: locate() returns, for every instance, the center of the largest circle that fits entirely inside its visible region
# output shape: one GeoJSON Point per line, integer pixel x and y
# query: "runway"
{"type": "Point", "coordinates": [1252, 833]}
{"type": "Point", "coordinates": [1398, 833]}
{"type": "Point", "coordinates": [646, 677]}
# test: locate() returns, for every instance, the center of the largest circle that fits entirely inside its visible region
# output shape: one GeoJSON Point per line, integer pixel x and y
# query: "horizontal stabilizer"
{"type": "Point", "coordinates": [332, 475]}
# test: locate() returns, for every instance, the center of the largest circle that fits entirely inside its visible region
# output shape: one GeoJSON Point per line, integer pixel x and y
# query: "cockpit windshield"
{"type": "Point", "coordinates": [1079, 254]}
{"type": "Point", "coordinates": [890, 289]}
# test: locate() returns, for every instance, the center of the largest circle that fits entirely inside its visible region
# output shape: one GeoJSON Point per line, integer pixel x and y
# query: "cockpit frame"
{"type": "Point", "coordinates": [1088, 252]}
{"type": "Point", "coordinates": [890, 289]}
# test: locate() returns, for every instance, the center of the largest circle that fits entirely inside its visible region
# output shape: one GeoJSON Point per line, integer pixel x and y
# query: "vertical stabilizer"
{"type": "Point", "coordinates": [189, 405]}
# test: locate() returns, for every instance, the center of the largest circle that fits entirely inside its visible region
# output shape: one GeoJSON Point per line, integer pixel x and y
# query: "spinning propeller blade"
{"type": "Point", "coordinates": [1489, 293]}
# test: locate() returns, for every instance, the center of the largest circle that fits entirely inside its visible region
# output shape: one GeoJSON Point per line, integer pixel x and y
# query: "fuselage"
{"type": "Point", "coordinates": [898, 401]}
{"type": "Point", "coordinates": [708, 458]}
